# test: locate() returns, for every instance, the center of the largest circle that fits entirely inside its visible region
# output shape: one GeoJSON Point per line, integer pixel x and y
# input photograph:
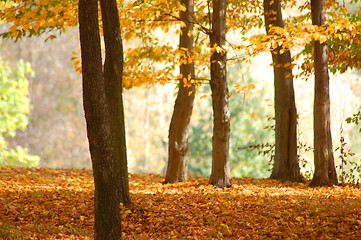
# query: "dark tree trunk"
{"type": "Point", "coordinates": [220, 175]}
{"type": "Point", "coordinates": [325, 171]}
{"type": "Point", "coordinates": [183, 107]}
{"type": "Point", "coordinates": [286, 166]}
{"type": "Point", "coordinates": [113, 71]}
{"type": "Point", "coordinates": [107, 149]}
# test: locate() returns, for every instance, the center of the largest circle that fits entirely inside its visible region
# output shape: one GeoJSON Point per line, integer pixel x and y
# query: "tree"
{"type": "Point", "coordinates": [248, 121]}
{"type": "Point", "coordinates": [220, 175]}
{"type": "Point", "coordinates": [286, 165]}
{"type": "Point", "coordinates": [103, 106]}
{"type": "Point", "coordinates": [15, 110]}
{"type": "Point", "coordinates": [183, 107]}
{"type": "Point", "coordinates": [325, 171]}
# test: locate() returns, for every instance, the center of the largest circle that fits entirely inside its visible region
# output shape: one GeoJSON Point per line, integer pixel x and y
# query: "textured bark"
{"type": "Point", "coordinates": [325, 171]}
{"type": "Point", "coordinates": [107, 149]}
{"type": "Point", "coordinates": [286, 166]}
{"type": "Point", "coordinates": [183, 107]}
{"type": "Point", "coordinates": [220, 175]}
{"type": "Point", "coordinates": [113, 69]}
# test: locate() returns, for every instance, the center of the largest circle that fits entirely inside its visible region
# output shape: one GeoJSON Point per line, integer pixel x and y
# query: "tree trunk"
{"type": "Point", "coordinates": [286, 166]}
{"type": "Point", "coordinates": [183, 107]}
{"type": "Point", "coordinates": [220, 175]}
{"type": "Point", "coordinates": [325, 171]}
{"type": "Point", "coordinates": [113, 71]}
{"type": "Point", "coordinates": [102, 109]}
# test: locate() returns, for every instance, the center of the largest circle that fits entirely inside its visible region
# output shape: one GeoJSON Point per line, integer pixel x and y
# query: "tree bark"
{"type": "Point", "coordinates": [220, 175]}
{"type": "Point", "coordinates": [183, 107]}
{"type": "Point", "coordinates": [103, 114]}
{"type": "Point", "coordinates": [325, 171]}
{"type": "Point", "coordinates": [113, 71]}
{"type": "Point", "coordinates": [286, 166]}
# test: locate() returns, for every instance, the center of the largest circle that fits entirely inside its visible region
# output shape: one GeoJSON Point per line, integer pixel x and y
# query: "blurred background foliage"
{"type": "Point", "coordinates": [14, 112]}
{"type": "Point", "coordinates": [249, 111]}
{"type": "Point", "coordinates": [55, 130]}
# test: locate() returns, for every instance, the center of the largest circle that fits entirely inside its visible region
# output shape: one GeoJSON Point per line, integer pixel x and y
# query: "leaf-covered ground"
{"type": "Point", "coordinates": [57, 204]}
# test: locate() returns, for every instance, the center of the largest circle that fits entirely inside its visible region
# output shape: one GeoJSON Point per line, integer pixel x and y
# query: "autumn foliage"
{"type": "Point", "coordinates": [58, 204]}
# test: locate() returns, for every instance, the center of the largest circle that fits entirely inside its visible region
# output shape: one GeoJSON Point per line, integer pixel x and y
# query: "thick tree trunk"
{"type": "Point", "coordinates": [103, 114]}
{"type": "Point", "coordinates": [220, 175]}
{"type": "Point", "coordinates": [286, 166]}
{"type": "Point", "coordinates": [325, 171]}
{"type": "Point", "coordinates": [113, 71]}
{"type": "Point", "coordinates": [183, 107]}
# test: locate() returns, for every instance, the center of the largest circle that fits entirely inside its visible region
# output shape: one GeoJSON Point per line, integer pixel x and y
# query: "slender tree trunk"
{"type": "Point", "coordinates": [183, 107]}
{"type": "Point", "coordinates": [103, 114]}
{"type": "Point", "coordinates": [220, 175]}
{"type": "Point", "coordinates": [325, 171]}
{"type": "Point", "coordinates": [286, 166]}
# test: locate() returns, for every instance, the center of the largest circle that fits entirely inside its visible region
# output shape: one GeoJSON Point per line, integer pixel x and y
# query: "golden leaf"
{"type": "Point", "coordinates": [322, 39]}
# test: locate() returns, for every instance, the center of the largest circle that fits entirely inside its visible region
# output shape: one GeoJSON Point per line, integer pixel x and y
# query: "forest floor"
{"type": "Point", "coordinates": [40, 203]}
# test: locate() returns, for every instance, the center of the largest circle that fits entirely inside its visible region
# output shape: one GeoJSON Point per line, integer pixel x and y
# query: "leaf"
{"type": "Point", "coordinates": [203, 96]}
{"type": "Point", "coordinates": [322, 39]}
{"type": "Point", "coordinates": [157, 50]}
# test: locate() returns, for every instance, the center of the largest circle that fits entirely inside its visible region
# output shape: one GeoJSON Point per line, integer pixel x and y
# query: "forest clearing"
{"type": "Point", "coordinates": [272, 86]}
{"type": "Point", "coordinates": [40, 203]}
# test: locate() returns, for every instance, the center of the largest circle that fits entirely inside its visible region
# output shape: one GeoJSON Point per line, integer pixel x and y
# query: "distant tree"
{"type": "Point", "coordinates": [286, 166]}
{"type": "Point", "coordinates": [183, 107]}
{"type": "Point", "coordinates": [325, 171]}
{"type": "Point", "coordinates": [248, 120]}
{"type": "Point", "coordinates": [103, 106]}
{"type": "Point", "coordinates": [15, 110]}
{"type": "Point", "coordinates": [220, 175]}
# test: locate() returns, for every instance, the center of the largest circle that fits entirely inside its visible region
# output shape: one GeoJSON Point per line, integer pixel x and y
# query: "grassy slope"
{"type": "Point", "coordinates": [57, 204]}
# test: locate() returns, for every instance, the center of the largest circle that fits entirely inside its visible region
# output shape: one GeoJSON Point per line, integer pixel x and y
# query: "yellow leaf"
{"type": "Point", "coordinates": [287, 65]}
{"type": "Point", "coordinates": [15, 34]}
{"type": "Point", "coordinates": [218, 49]}
{"type": "Point", "coordinates": [322, 39]}
{"type": "Point", "coordinates": [157, 50]}
{"type": "Point", "coordinates": [288, 75]}
{"type": "Point", "coordinates": [182, 8]}
{"type": "Point", "coordinates": [43, 2]}
{"type": "Point", "coordinates": [316, 36]}
{"type": "Point", "coordinates": [249, 50]}
{"type": "Point", "coordinates": [45, 212]}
